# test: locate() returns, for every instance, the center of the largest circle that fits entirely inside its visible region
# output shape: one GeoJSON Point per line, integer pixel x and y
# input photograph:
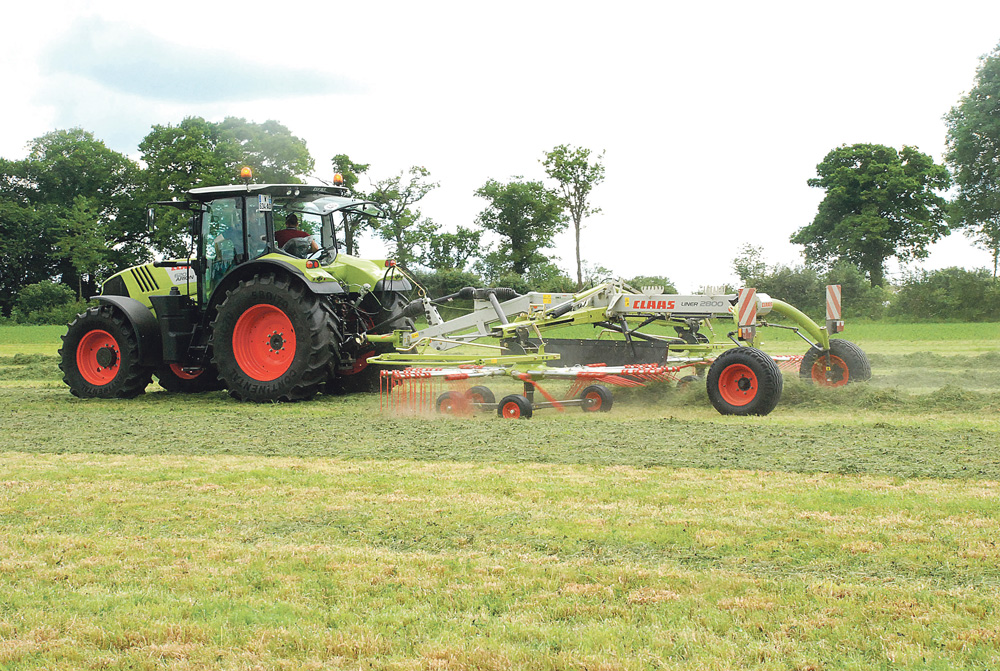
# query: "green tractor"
{"type": "Point", "coordinates": [268, 323]}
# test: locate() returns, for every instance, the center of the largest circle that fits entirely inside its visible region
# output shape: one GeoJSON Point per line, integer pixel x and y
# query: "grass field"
{"type": "Point", "coordinates": [852, 528]}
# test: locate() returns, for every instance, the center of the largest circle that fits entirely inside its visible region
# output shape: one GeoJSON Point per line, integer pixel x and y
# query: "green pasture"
{"type": "Point", "coordinates": [853, 528]}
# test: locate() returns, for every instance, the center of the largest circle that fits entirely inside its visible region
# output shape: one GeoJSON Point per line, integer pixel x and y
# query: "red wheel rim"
{"type": "Point", "coordinates": [447, 405]}
{"type": "Point", "coordinates": [191, 374]}
{"type": "Point", "coordinates": [839, 373]}
{"type": "Point", "coordinates": [264, 342]}
{"type": "Point", "coordinates": [98, 357]}
{"type": "Point", "coordinates": [511, 410]}
{"type": "Point", "coordinates": [737, 384]}
{"type": "Point", "coordinates": [593, 401]}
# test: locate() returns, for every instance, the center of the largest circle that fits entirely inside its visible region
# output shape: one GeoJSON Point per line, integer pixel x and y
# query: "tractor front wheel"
{"type": "Point", "coordinates": [100, 356]}
{"type": "Point", "coordinates": [273, 341]}
{"type": "Point", "coordinates": [744, 381]}
{"type": "Point", "coordinates": [848, 363]}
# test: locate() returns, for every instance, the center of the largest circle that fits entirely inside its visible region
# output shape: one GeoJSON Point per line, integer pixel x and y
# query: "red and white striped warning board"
{"type": "Point", "coordinates": [833, 301]}
{"type": "Point", "coordinates": [746, 307]}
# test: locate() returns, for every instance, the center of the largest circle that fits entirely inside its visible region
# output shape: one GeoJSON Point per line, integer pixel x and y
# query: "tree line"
{"type": "Point", "coordinates": [71, 212]}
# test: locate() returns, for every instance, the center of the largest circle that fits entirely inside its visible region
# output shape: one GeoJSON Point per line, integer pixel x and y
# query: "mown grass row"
{"type": "Point", "coordinates": [249, 562]}
{"type": "Point", "coordinates": [852, 528]}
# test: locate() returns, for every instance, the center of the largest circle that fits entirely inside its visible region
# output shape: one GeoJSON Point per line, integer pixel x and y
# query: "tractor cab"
{"type": "Point", "coordinates": [238, 224]}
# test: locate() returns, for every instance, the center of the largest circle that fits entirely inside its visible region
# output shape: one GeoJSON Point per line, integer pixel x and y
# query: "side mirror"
{"type": "Point", "coordinates": [150, 218]}
{"type": "Point", "coordinates": [193, 226]}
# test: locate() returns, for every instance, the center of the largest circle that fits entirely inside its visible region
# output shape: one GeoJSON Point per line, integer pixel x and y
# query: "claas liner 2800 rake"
{"type": "Point", "coordinates": [741, 379]}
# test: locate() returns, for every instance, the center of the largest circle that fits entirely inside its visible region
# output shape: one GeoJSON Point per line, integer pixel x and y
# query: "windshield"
{"type": "Point", "coordinates": [322, 216]}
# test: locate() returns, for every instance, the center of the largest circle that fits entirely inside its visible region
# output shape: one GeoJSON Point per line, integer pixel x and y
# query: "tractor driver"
{"type": "Point", "coordinates": [291, 232]}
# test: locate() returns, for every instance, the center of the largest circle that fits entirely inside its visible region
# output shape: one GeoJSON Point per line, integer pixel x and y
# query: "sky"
{"type": "Point", "coordinates": [712, 116]}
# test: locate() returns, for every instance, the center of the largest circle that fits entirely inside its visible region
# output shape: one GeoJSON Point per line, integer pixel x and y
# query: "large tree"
{"type": "Point", "coordinates": [879, 204]}
{"type": "Point", "coordinates": [72, 211]}
{"type": "Point", "coordinates": [452, 251]}
{"type": "Point", "coordinates": [351, 172]}
{"type": "Point", "coordinates": [526, 215]}
{"type": "Point", "coordinates": [404, 227]}
{"type": "Point", "coordinates": [197, 153]}
{"type": "Point", "coordinates": [571, 168]}
{"type": "Point", "coordinates": [974, 156]}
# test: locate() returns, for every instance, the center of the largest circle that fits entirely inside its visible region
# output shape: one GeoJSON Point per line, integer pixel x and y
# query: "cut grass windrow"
{"type": "Point", "coordinates": [237, 562]}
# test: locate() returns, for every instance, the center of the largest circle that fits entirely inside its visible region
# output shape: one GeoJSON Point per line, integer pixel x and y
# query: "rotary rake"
{"type": "Point", "coordinates": [442, 366]}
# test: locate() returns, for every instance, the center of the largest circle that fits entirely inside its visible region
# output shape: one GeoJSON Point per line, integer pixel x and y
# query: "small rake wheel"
{"type": "Point", "coordinates": [450, 403]}
{"type": "Point", "coordinates": [514, 406]}
{"type": "Point", "coordinates": [596, 398]}
{"type": "Point", "coordinates": [848, 363]}
{"type": "Point", "coordinates": [481, 394]}
{"type": "Point", "coordinates": [744, 381]}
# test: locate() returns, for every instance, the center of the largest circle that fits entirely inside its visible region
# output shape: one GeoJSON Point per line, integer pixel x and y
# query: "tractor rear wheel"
{"type": "Point", "coordinates": [100, 356]}
{"type": "Point", "coordinates": [744, 381]}
{"type": "Point", "coordinates": [179, 379]}
{"type": "Point", "coordinates": [272, 340]}
{"type": "Point", "coordinates": [848, 363]}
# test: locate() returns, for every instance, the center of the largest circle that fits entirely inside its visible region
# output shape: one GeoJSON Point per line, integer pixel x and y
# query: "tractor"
{"type": "Point", "coordinates": [268, 323]}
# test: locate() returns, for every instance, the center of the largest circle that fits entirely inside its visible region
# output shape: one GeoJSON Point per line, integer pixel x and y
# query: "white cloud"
{"type": "Point", "coordinates": [713, 116]}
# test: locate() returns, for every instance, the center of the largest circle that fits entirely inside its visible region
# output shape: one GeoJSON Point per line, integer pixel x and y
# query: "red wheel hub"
{"type": "Point", "coordinates": [264, 342]}
{"type": "Point", "coordinates": [737, 384]}
{"type": "Point", "coordinates": [512, 410]}
{"type": "Point", "coordinates": [98, 357]}
{"type": "Point", "coordinates": [839, 374]}
{"type": "Point", "coordinates": [592, 402]}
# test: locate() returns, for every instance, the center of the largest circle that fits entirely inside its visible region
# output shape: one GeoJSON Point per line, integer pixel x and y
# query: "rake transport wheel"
{"type": "Point", "coordinates": [514, 406]}
{"type": "Point", "coordinates": [848, 363]}
{"type": "Point", "coordinates": [481, 394]}
{"type": "Point", "coordinates": [744, 381]}
{"type": "Point", "coordinates": [596, 398]}
{"type": "Point", "coordinates": [272, 341]}
{"type": "Point", "coordinates": [179, 379]}
{"type": "Point", "coordinates": [100, 356]}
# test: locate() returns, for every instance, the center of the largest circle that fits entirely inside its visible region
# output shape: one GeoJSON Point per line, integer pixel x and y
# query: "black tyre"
{"type": "Point", "coordinates": [481, 394]}
{"type": "Point", "coordinates": [848, 363]}
{"type": "Point", "coordinates": [596, 398]}
{"type": "Point", "coordinates": [100, 356]}
{"type": "Point", "coordinates": [451, 403]}
{"type": "Point", "coordinates": [744, 381]}
{"type": "Point", "coordinates": [185, 380]}
{"type": "Point", "coordinates": [514, 406]}
{"type": "Point", "coordinates": [388, 313]}
{"type": "Point", "coordinates": [272, 340]}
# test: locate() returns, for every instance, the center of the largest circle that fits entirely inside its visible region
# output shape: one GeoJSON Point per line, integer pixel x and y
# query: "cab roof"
{"type": "Point", "coordinates": [207, 193]}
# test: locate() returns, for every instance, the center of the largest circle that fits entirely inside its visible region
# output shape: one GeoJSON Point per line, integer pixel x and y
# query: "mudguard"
{"type": "Point", "coordinates": [321, 288]}
{"type": "Point", "coordinates": [147, 331]}
{"type": "Point", "coordinates": [392, 285]}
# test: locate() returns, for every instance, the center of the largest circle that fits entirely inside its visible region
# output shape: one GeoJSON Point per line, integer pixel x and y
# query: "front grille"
{"type": "Point", "coordinates": [145, 279]}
